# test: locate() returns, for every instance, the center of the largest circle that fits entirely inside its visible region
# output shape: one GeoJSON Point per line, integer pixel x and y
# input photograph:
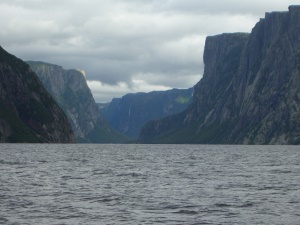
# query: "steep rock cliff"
{"type": "Point", "coordinates": [129, 113]}
{"type": "Point", "coordinates": [27, 111]}
{"type": "Point", "coordinates": [249, 93]}
{"type": "Point", "coordinates": [70, 90]}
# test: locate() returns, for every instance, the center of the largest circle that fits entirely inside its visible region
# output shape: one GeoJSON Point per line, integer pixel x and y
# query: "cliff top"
{"type": "Point", "coordinates": [229, 35]}
{"type": "Point", "coordinates": [294, 8]}
{"type": "Point", "coordinates": [37, 64]}
{"type": "Point", "coordinates": [82, 72]}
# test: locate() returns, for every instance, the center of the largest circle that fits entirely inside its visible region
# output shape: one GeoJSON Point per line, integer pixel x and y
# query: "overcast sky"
{"type": "Point", "coordinates": [126, 45]}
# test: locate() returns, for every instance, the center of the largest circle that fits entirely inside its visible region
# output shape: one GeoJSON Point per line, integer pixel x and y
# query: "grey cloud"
{"type": "Point", "coordinates": [256, 7]}
{"type": "Point", "coordinates": [157, 41]}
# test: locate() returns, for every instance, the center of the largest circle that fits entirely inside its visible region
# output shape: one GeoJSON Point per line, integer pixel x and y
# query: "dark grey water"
{"type": "Point", "coordinates": [149, 184]}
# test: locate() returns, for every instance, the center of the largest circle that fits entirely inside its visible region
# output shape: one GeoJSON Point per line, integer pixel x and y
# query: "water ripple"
{"type": "Point", "coordinates": [149, 184]}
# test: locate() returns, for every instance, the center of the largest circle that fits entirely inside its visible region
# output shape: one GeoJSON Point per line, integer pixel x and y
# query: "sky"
{"type": "Point", "coordinates": [126, 46]}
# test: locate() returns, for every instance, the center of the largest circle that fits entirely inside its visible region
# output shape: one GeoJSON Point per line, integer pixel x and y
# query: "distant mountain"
{"type": "Point", "coordinates": [70, 90]}
{"type": "Point", "coordinates": [129, 113]}
{"type": "Point", "coordinates": [250, 90]}
{"type": "Point", "coordinates": [27, 112]}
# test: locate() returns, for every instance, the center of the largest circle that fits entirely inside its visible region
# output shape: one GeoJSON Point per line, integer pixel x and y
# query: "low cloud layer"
{"type": "Point", "coordinates": [125, 45]}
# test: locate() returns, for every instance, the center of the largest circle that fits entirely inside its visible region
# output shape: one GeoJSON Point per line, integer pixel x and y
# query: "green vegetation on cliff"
{"type": "Point", "coordinates": [129, 113]}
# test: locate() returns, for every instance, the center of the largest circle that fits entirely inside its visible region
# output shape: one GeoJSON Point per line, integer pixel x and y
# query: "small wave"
{"type": "Point", "coordinates": [132, 174]}
{"type": "Point", "coordinates": [106, 199]}
{"type": "Point", "coordinates": [222, 205]}
{"type": "Point", "coordinates": [67, 177]}
{"type": "Point", "coordinates": [246, 205]}
{"type": "Point", "coordinates": [3, 220]}
{"type": "Point", "coordinates": [101, 172]}
{"type": "Point", "coordinates": [36, 184]}
{"type": "Point", "coordinates": [294, 202]}
{"type": "Point", "coordinates": [281, 171]}
{"type": "Point", "coordinates": [10, 163]}
{"type": "Point", "coordinates": [189, 212]}
{"type": "Point", "coordinates": [270, 188]}
{"type": "Point", "coordinates": [167, 206]}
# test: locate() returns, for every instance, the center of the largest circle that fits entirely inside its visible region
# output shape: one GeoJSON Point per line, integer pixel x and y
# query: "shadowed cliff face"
{"type": "Point", "coordinates": [129, 113]}
{"type": "Point", "coordinates": [269, 86]}
{"type": "Point", "coordinates": [249, 93]}
{"type": "Point", "coordinates": [70, 90]}
{"type": "Point", "coordinates": [27, 112]}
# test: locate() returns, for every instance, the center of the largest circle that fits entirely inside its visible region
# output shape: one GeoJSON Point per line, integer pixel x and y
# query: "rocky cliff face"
{"type": "Point", "coordinates": [27, 112]}
{"type": "Point", "coordinates": [70, 90]}
{"type": "Point", "coordinates": [129, 113]}
{"type": "Point", "coordinates": [249, 93]}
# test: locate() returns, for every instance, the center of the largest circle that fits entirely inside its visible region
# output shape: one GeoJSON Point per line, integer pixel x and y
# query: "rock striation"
{"type": "Point", "coordinates": [71, 92]}
{"type": "Point", "coordinates": [129, 113]}
{"type": "Point", "coordinates": [27, 112]}
{"type": "Point", "coordinates": [250, 90]}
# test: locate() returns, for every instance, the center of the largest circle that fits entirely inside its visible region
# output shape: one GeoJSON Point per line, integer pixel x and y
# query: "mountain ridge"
{"type": "Point", "coordinates": [128, 113]}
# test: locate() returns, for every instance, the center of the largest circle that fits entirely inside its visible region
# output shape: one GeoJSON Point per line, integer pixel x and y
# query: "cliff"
{"type": "Point", "coordinates": [129, 113]}
{"type": "Point", "coordinates": [27, 112]}
{"type": "Point", "coordinates": [249, 93]}
{"type": "Point", "coordinates": [71, 92]}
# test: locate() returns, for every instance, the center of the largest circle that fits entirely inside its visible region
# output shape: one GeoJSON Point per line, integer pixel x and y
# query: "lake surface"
{"type": "Point", "coordinates": [149, 184]}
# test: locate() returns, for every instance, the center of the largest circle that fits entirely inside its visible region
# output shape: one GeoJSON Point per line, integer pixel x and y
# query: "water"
{"type": "Point", "coordinates": [149, 184]}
